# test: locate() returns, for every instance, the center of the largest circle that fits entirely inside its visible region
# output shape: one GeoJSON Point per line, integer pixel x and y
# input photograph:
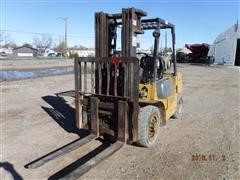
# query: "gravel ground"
{"type": "Point", "coordinates": [34, 122]}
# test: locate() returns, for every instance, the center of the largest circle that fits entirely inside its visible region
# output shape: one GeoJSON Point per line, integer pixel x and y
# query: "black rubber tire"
{"type": "Point", "coordinates": [144, 117]}
{"type": "Point", "coordinates": [178, 112]}
{"type": "Point", "coordinates": [168, 63]}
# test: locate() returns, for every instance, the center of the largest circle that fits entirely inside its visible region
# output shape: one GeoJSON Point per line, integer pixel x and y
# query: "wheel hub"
{"type": "Point", "coordinates": [153, 126]}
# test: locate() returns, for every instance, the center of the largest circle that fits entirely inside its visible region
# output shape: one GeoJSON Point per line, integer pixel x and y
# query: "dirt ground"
{"type": "Point", "coordinates": [34, 122]}
{"type": "Point", "coordinates": [25, 64]}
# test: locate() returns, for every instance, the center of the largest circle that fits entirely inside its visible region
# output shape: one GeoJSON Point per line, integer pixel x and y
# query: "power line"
{"type": "Point", "coordinates": [53, 34]}
{"type": "Point", "coordinates": [38, 33]}
{"type": "Point", "coordinates": [121, 1]}
{"type": "Point", "coordinates": [141, 38]}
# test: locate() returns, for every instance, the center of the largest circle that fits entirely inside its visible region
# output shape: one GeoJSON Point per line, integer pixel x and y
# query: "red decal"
{"type": "Point", "coordinates": [116, 60]}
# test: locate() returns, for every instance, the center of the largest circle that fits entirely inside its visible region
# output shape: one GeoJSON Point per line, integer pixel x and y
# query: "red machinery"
{"type": "Point", "coordinates": [199, 54]}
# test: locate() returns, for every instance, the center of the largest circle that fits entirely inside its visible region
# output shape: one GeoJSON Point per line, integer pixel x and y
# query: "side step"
{"type": "Point", "coordinates": [60, 151]}
{"type": "Point", "coordinates": [85, 163]}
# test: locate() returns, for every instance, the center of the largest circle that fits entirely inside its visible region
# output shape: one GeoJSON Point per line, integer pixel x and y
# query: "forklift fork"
{"type": "Point", "coordinates": [77, 168]}
{"type": "Point", "coordinates": [106, 150]}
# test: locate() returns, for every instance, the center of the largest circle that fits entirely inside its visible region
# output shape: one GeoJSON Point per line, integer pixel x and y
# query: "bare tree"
{"type": "Point", "coordinates": [80, 47]}
{"type": "Point", "coordinates": [44, 42]}
{"type": "Point", "coordinates": [60, 47]}
{"type": "Point", "coordinates": [12, 45]}
{"type": "Point", "coordinates": [5, 40]}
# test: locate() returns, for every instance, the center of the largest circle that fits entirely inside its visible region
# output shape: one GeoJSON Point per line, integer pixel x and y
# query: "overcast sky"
{"type": "Point", "coordinates": [195, 21]}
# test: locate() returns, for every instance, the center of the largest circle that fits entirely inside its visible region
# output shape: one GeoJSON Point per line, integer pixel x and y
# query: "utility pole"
{"type": "Point", "coordinates": [65, 21]}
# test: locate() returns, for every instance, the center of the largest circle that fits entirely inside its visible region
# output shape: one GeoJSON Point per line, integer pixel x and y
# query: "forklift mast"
{"type": "Point", "coordinates": [115, 79]}
{"type": "Point", "coordinates": [106, 32]}
{"type": "Point", "coordinates": [132, 24]}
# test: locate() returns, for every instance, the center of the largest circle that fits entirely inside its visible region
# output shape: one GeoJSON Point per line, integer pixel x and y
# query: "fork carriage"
{"type": "Point", "coordinates": [110, 104]}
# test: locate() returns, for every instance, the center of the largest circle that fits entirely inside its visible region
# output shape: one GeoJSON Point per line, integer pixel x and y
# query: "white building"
{"type": "Point", "coordinates": [47, 52]}
{"type": "Point", "coordinates": [6, 50]}
{"type": "Point", "coordinates": [84, 53]}
{"type": "Point", "coordinates": [226, 47]}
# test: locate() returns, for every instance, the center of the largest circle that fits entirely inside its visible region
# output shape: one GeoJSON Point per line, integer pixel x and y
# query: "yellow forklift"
{"type": "Point", "coordinates": [120, 98]}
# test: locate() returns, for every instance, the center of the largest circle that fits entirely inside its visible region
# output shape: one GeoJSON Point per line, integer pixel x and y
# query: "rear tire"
{"type": "Point", "coordinates": [178, 112]}
{"type": "Point", "coordinates": [148, 126]}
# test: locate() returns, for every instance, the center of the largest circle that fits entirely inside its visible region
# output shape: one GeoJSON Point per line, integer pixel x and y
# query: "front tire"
{"type": "Point", "coordinates": [148, 126]}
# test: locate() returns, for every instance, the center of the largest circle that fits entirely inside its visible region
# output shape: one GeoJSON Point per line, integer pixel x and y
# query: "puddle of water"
{"type": "Point", "coordinates": [24, 74]}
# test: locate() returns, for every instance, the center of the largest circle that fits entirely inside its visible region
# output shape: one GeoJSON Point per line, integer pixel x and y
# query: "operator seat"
{"type": "Point", "coordinates": [146, 72]}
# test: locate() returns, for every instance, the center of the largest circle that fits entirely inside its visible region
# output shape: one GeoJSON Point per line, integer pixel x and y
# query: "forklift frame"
{"type": "Point", "coordinates": [114, 89]}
